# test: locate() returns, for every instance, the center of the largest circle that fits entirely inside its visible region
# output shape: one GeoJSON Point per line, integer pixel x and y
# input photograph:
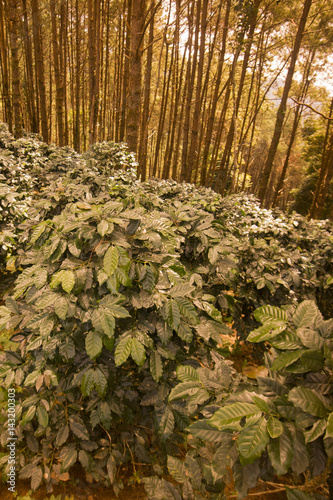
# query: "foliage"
{"type": "Point", "coordinates": [279, 423]}
{"type": "Point", "coordinates": [123, 286]}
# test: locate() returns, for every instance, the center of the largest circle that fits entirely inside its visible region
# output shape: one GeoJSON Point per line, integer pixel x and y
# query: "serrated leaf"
{"type": "Point", "coordinates": [138, 352]}
{"type": "Point", "coordinates": [42, 415]}
{"type": "Point", "coordinates": [308, 401]}
{"type": "Point", "coordinates": [184, 390]}
{"type": "Point", "coordinates": [177, 469]}
{"type": "Point", "coordinates": [268, 313]}
{"type": "Point", "coordinates": [329, 428]}
{"type": "Point", "coordinates": [252, 442]}
{"type": "Point", "coordinates": [68, 280]}
{"type": "Point", "coordinates": [62, 435]}
{"type": "Point", "coordinates": [79, 429]}
{"type": "Point", "coordinates": [123, 350]}
{"type": "Point", "coordinates": [286, 359]}
{"type": "Point", "coordinates": [281, 452]}
{"type": "Point", "coordinates": [203, 430]}
{"type": "Point", "coordinates": [36, 478]}
{"type": "Point", "coordinates": [110, 261]}
{"type": "Point", "coordinates": [167, 423]}
{"type": "Point", "coordinates": [93, 344]}
{"type": "Point", "coordinates": [156, 367]}
{"type": "Point", "coordinates": [172, 314]}
{"type": "Point", "coordinates": [181, 290]}
{"type": "Point", "coordinates": [69, 459]}
{"type": "Point", "coordinates": [187, 374]}
{"type": "Point", "coordinates": [305, 314]}
{"type": "Point", "coordinates": [88, 381]}
{"type": "Point", "coordinates": [230, 415]}
{"type": "Point", "coordinates": [103, 227]}
{"type": "Point", "coordinates": [56, 279]}
{"type": "Point", "coordinates": [61, 307]}
{"type": "Point", "coordinates": [100, 381]}
{"type": "Point", "coordinates": [274, 427]}
{"type": "Point", "coordinates": [28, 415]}
{"type": "Point", "coordinates": [316, 430]}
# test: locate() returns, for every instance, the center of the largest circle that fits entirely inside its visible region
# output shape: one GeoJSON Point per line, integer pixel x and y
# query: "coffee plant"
{"type": "Point", "coordinates": [116, 322]}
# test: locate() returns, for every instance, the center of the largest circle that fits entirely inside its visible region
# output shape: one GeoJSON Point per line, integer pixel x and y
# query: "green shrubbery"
{"type": "Point", "coordinates": [123, 292]}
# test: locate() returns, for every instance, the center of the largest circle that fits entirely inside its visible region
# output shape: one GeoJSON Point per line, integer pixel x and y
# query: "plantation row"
{"type": "Point", "coordinates": [115, 326]}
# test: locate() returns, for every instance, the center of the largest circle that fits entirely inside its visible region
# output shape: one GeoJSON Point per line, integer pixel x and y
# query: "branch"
{"type": "Point", "coordinates": [312, 109]}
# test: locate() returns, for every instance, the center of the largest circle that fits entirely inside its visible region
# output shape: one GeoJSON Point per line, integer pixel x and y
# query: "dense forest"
{"type": "Point", "coordinates": [227, 94]}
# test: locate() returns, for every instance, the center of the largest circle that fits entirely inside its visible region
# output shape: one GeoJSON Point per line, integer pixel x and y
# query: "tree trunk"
{"type": "Point", "coordinates": [8, 112]}
{"type": "Point", "coordinates": [13, 14]}
{"type": "Point", "coordinates": [283, 104]}
{"type": "Point", "coordinates": [39, 56]}
{"type": "Point", "coordinates": [134, 107]}
{"type": "Point", "coordinates": [32, 111]}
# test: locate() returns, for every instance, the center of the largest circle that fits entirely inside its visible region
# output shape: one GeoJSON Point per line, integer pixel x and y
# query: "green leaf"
{"type": "Point", "coordinates": [56, 279]}
{"type": "Point", "coordinates": [172, 314]}
{"type": "Point", "coordinates": [28, 415]}
{"type": "Point", "coordinates": [93, 344]}
{"type": "Point", "coordinates": [61, 307]}
{"type": "Point", "coordinates": [68, 281]}
{"type": "Point", "coordinates": [261, 404]}
{"type": "Point", "coordinates": [107, 321]}
{"type": "Point", "coordinates": [203, 430]}
{"type": "Point", "coordinates": [187, 374]}
{"type": "Point", "coordinates": [69, 459]}
{"type": "Point", "coordinates": [308, 401]}
{"type": "Point", "coordinates": [177, 469]}
{"type": "Point", "coordinates": [329, 428]}
{"type": "Point", "coordinates": [110, 261]}
{"type": "Point", "coordinates": [87, 384]}
{"type": "Point", "coordinates": [156, 367]}
{"type": "Point", "coordinates": [78, 429]}
{"type": "Point", "coordinates": [62, 435]}
{"type": "Point", "coordinates": [36, 478]}
{"type": "Point", "coordinates": [40, 278]}
{"type": "Point", "coordinates": [184, 390]}
{"type": "Point", "coordinates": [286, 341]}
{"type": "Point", "coordinates": [305, 314]}
{"type": "Point", "coordinates": [310, 338]}
{"type": "Point", "coordinates": [286, 359]}
{"type": "Point", "coordinates": [42, 415]}
{"type": "Point", "coordinates": [274, 427]}
{"type": "Point", "coordinates": [252, 442]}
{"type": "Point", "coordinates": [38, 231]}
{"type": "Point", "coordinates": [181, 290]}
{"type": "Point", "coordinates": [138, 352]}
{"type": "Point", "coordinates": [316, 430]}
{"type": "Point", "coordinates": [167, 423]}
{"type": "Point", "coordinates": [103, 227]}
{"type": "Point", "coordinates": [212, 311]}
{"type": "Point", "coordinates": [123, 350]}
{"type": "Point", "coordinates": [281, 452]}
{"type": "Point", "coordinates": [230, 415]}
{"type": "Point", "coordinates": [268, 313]}
{"type": "Point", "coordinates": [187, 309]}
{"type": "Point", "coordinates": [267, 332]}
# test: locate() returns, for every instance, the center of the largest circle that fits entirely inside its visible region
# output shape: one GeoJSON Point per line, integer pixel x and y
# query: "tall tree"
{"type": "Point", "coordinates": [283, 103]}
{"type": "Point", "coordinates": [39, 57]}
{"type": "Point", "coordinates": [13, 14]}
{"type": "Point", "coordinates": [134, 106]}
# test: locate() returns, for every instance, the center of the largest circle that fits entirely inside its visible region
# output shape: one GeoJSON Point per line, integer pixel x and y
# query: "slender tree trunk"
{"type": "Point", "coordinates": [128, 4]}
{"type": "Point", "coordinates": [146, 100]}
{"type": "Point", "coordinates": [76, 130]}
{"type": "Point", "coordinates": [16, 84]}
{"type": "Point", "coordinates": [134, 108]}
{"type": "Point", "coordinates": [30, 72]}
{"type": "Point", "coordinates": [326, 168]}
{"type": "Point", "coordinates": [57, 75]}
{"type": "Point", "coordinates": [39, 56]}
{"type": "Point", "coordinates": [283, 104]}
{"type": "Point", "coordinates": [211, 119]}
{"type": "Point", "coordinates": [8, 112]}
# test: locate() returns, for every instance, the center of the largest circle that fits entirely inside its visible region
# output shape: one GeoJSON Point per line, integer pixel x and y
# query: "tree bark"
{"type": "Point", "coordinates": [134, 107]}
{"type": "Point", "coordinates": [39, 56]}
{"type": "Point", "coordinates": [283, 104]}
